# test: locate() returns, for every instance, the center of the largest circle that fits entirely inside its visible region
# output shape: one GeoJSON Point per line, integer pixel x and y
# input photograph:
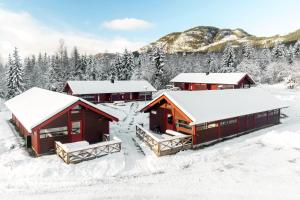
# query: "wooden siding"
{"type": "Point", "coordinates": [111, 97]}
{"type": "Point", "coordinates": [245, 82]}
{"type": "Point", "coordinates": [161, 108]}
{"type": "Point", "coordinates": [93, 127]}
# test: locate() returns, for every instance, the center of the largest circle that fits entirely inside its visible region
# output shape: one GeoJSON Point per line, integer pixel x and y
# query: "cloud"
{"type": "Point", "coordinates": [20, 29]}
{"type": "Point", "coordinates": [127, 24]}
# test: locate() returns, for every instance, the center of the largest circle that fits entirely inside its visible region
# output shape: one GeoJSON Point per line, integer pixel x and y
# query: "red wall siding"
{"type": "Point", "coordinates": [207, 135]}
{"type": "Point", "coordinates": [95, 127]}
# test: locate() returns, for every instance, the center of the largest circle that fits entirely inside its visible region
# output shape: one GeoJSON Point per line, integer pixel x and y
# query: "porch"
{"type": "Point", "coordinates": [80, 151]}
{"type": "Point", "coordinates": [166, 144]}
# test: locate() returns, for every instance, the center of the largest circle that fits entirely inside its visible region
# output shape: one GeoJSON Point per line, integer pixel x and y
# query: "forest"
{"type": "Point", "coordinates": [266, 66]}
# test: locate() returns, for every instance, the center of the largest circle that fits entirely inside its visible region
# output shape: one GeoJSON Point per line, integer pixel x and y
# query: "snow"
{"type": "Point", "coordinates": [36, 105]}
{"type": "Point", "coordinates": [69, 147]}
{"type": "Point", "coordinates": [264, 165]}
{"type": "Point", "coordinates": [221, 78]}
{"type": "Point", "coordinates": [212, 105]}
{"type": "Point", "coordinates": [99, 87]}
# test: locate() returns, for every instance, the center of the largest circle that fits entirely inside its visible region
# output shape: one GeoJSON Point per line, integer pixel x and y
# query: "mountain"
{"type": "Point", "coordinates": [212, 39]}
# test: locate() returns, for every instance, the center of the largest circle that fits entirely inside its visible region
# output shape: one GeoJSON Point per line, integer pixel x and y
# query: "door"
{"type": "Point", "coordinates": [76, 131]}
{"type": "Point", "coordinates": [169, 120]}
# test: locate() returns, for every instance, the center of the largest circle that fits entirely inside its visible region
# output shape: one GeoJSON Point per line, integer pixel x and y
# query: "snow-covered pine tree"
{"type": "Point", "coordinates": [2, 80]}
{"type": "Point", "coordinates": [28, 73]}
{"type": "Point", "coordinates": [278, 52]}
{"type": "Point", "coordinates": [75, 71]}
{"type": "Point", "coordinates": [290, 55]}
{"type": "Point", "coordinates": [127, 66]}
{"type": "Point", "coordinates": [56, 74]}
{"type": "Point", "coordinates": [248, 51]}
{"type": "Point", "coordinates": [264, 58]}
{"type": "Point", "coordinates": [157, 57]}
{"type": "Point", "coordinates": [15, 83]}
{"type": "Point", "coordinates": [91, 68]}
{"type": "Point", "coordinates": [116, 68]}
{"type": "Point", "coordinates": [138, 73]}
{"type": "Point", "coordinates": [211, 63]}
{"type": "Point", "coordinates": [228, 62]}
{"type": "Point", "coordinates": [296, 49]}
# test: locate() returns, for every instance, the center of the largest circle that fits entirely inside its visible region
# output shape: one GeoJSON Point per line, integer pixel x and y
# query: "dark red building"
{"type": "Point", "coordinates": [43, 116]}
{"type": "Point", "coordinates": [110, 91]}
{"type": "Point", "coordinates": [213, 115]}
{"type": "Point", "coordinates": [212, 81]}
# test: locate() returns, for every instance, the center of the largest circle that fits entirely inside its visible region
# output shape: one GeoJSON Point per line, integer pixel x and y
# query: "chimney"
{"type": "Point", "coordinates": [112, 80]}
{"type": "Point", "coordinates": [207, 73]}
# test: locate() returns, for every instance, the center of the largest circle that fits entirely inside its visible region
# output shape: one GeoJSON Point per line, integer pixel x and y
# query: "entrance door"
{"type": "Point", "coordinates": [76, 131]}
{"type": "Point", "coordinates": [169, 119]}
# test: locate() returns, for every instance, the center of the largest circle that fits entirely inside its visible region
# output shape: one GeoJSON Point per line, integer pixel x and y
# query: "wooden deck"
{"type": "Point", "coordinates": [162, 147]}
{"type": "Point", "coordinates": [86, 152]}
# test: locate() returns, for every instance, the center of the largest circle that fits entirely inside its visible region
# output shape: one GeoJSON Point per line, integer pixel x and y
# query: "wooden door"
{"type": "Point", "coordinates": [76, 131]}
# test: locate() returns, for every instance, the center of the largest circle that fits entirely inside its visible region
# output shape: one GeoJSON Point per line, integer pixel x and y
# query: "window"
{"type": "Point", "coordinates": [183, 124]}
{"type": "Point", "coordinates": [201, 127]}
{"type": "Point", "coordinates": [170, 119]}
{"type": "Point", "coordinates": [76, 127]}
{"type": "Point", "coordinates": [206, 126]}
{"type": "Point", "coordinates": [228, 122]}
{"type": "Point", "coordinates": [54, 132]}
{"type": "Point", "coordinates": [276, 112]}
{"type": "Point", "coordinates": [212, 125]}
{"type": "Point", "coordinates": [261, 115]}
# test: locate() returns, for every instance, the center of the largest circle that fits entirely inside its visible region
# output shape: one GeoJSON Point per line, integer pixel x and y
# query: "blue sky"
{"type": "Point", "coordinates": [147, 20]}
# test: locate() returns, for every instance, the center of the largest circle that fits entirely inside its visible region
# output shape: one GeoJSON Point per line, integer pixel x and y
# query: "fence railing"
{"type": "Point", "coordinates": [163, 147]}
{"type": "Point", "coordinates": [87, 152]}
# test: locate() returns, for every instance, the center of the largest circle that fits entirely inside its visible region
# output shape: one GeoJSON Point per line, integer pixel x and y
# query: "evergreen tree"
{"type": "Point", "coordinates": [278, 52]}
{"type": "Point", "coordinates": [127, 66]}
{"type": "Point", "coordinates": [228, 62]}
{"type": "Point", "coordinates": [15, 77]}
{"type": "Point", "coordinates": [248, 51]}
{"type": "Point", "coordinates": [56, 74]}
{"type": "Point", "coordinates": [116, 68]}
{"type": "Point", "coordinates": [211, 63]}
{"type": "Point", "coordinates": [91, 68]}
{"type": "Point", "coordinates": [138, 73]}
{"type": "Point", "coordinates": [290, 56]}
{"type": "Point", "coordinates": [296, 49]}
{"type": "Point", "coordinates": [157, 57]}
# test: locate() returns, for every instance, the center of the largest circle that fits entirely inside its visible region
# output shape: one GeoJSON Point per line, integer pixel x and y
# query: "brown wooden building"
{"type": "Point", "coordinates": [213, 115]}
{"type": "Point", "coordinates": [43, 116]}
{"type": "Point", "coordinates": [212, 81]}
{"type": "Point", "coordinates": [110, 91]}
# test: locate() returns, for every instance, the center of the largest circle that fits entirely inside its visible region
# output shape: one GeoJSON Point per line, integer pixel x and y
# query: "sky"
{"type": "Point", "coordinates": [111, 25]}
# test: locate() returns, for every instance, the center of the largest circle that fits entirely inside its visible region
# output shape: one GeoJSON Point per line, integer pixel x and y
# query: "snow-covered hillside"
{"type": "Point", "coordinates": [212, 39]}
{"type": "Point", "coordinates": [262, 165]}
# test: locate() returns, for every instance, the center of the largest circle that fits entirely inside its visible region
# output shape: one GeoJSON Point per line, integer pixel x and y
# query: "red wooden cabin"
{"type": "Point", "coordinates": [213, 115]}
{"type": "Point", "coordinates": [43, 116]}
{"type": "Point", "coordinates": [110, 91]}
{"type": "Point", "coordinates": [212, 81]}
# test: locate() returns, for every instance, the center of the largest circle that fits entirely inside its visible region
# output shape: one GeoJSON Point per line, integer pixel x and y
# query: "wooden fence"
{"type": "Point", "coordinates": [87, 152]}
{"type": "Point", "coordinates": [163, 147]}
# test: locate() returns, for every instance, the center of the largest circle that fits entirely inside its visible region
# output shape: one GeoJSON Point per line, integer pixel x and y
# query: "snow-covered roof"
{"type": "Point", "coordinates": [98, 87]}
{"type": "Point", "coordinates": [36, 105]}
{"type": "Point", "coordinates": [211, 105]}
{"type": "Point", "coordinates": [221, 78]}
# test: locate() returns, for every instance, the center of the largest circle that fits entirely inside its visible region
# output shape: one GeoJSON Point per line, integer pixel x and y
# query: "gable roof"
{"type": "Point", "coordinates": [98, 87]}
{"type": "Point", "coordinates": [211, 105]}
{"type": "Point", "coordinates": [221, 78]}
{"type": "Point", "coordinates": [36, 105]}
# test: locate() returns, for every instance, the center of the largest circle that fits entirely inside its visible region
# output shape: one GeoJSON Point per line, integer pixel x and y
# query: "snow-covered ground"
{"type": "Point", "coordinates": [262, 165]}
